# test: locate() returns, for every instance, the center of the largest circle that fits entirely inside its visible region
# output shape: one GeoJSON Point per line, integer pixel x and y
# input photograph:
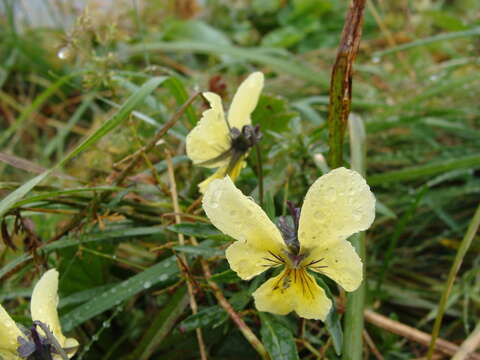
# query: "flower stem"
{"type": "Point", "coordinates": [353, 343]}
{"type": "Point", "coordinates": [260, 173]}
{"type": "Point", "coordinates": [462, 250]}
{"type": "Point", "coordinates": [341, 82]}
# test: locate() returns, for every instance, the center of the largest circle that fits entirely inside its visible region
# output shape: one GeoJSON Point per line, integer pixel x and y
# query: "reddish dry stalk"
{"type": "Point", "coordinates": [341, 81]}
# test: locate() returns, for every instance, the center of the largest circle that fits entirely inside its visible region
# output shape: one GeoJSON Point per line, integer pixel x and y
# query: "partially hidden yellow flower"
{"type": "Point", "coordinates": [43, 308]}
{"type": "Point", "coordinates": [336, 206]}
{"type": "Point", "coordinates": [223, 142]}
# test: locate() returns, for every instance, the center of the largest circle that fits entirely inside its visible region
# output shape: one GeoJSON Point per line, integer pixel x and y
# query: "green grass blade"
{"type": "Point", "coordinates": [161, 325]}
{"type": "Point", "coordinates": [133, 101]}
{"type": "Point", "coordinates": [421, 171]}
{"type": "Point", "coordinates": [161, 272]}
{"type": "Point", "coordinates": [462, 250]}
{"type": "Point", "coordinates": [34, 106]}
{"type": "Point", "coordinates": [429, 40]}
{"type": "Point", "coordinates": [108, 234]}
{"type": "Point", "coordinates": [280, 64]}
{"type": "Point", "coordinates": [354, 322]}
{"type": "Point", "coordinates": [122, 114]}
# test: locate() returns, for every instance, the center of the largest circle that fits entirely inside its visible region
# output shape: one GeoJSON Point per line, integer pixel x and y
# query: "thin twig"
{"type": "Point", "coordinates": [182, 260]}
{"type": "Point", "coordinates": [223, 302]}
{"type": "Point", "coordinates": [469, 345]}
{"type": "Point", "coordinates": [371, 345]}
{"type": "Point", "coordinates": [77, 220]}
{"type": "Point", "coordinates": [412, 334]}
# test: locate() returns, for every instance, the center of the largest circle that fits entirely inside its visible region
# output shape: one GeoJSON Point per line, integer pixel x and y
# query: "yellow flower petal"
{"type": "Point", "coordinates": [249, 261]}
{"type": "Point", "coordinates": [239, 216]}
{"type": "Point", "coordinates": [293, 290]}
{"type": "Point", "coordinates": [220, 174]}
{"type": "Point", "coordinates": [9, 332]}
{"type": "Point", "coordinates": [7, 355]}
{"type": "Point", "coordinates": [43, 305]}
{"type": "Point", "coordinates": [343, 265]}
{"type": "Point", "coordinates": [210, 137]}
{"type": "Point", "coordinates": [245, 100]}
{"type": "Point", "coordinates": [336, 206]}
{"type": "Point", "coordinates": [72, 344]}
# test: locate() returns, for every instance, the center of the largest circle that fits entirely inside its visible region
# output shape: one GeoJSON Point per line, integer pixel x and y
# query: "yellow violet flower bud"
{"type": "Point", "coordinates": [223, 143]}
{"type": "Point", "coordinates": [336, 206]}
{"type": "Point", "coordinates": [43, 307]}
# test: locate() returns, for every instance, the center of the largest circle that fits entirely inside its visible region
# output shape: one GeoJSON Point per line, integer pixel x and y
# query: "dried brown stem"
{"type": "Point", "coordinates": [420, 337]}
{"type": "Point", "coordinates": [341, 81]}
{"type": "Point", "coordinates": [77, 220]}
{"type": "Point", "coordinates": [182, 261]}
{"type": "Point", "coordinates": [223, 302]}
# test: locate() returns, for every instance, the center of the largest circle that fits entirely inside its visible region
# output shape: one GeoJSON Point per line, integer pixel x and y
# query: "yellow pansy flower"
{"type": "Point", "coordinates": [223, 143]}
{"type": "Point", "coordinates": [336, 206]}
{"type": "Point", "coordinates": [43, 308]}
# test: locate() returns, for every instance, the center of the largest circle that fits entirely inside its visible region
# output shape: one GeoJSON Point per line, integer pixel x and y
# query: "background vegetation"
{"type": "Point", "coordinates": [83, 94]}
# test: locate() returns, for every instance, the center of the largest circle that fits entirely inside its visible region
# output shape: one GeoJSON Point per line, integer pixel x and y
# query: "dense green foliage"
{"type": "Point", "coordinates": [79, 99]}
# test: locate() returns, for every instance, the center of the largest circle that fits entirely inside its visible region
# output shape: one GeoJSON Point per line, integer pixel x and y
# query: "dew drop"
{"type": "Point", "coordinates": [215, 199]}
{"type": "Point", "coordinates": [147, 284]}
{"type": "Point", "coordinates": [65, 53]}
{"type": "Point", "coordinates": [376, 59]}
{"type": "Point", "coordinates": [163, 277]}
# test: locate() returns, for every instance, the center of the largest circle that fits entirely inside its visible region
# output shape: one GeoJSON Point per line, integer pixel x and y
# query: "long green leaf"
{"type": "Point", "coordinates": [430, 40]}
{"type": "Point", "coordinates": [354, 322]}
{"type": "Point", "coordinates": [161, 325]}
{"type": "Point", "coordinates": [416, 172]}
{"type": "Point", "coordinates": [108, 234]}
{"type": "Point", "coordinates": [278, 63]}
{"type": "Point", "coordinates": [161, 272]}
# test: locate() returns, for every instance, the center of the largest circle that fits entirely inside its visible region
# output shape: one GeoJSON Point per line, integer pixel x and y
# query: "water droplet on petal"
{"type": "Point", "coordinates": [215, 199]}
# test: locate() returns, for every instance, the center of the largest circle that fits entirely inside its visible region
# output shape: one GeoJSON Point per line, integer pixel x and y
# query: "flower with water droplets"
{"type": "Point", "coordinates": [336, 206]}
{"type": "Point", "coordinates": [224, 142]}
{"type": "Point", "coordinates": [45, 335]}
